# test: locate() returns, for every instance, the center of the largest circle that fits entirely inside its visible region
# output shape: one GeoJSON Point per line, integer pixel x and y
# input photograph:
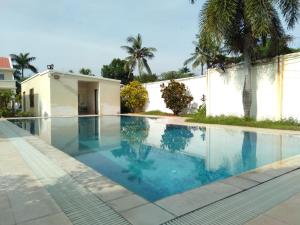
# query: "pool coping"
{"type": "Point", "coordinates": [176, 120]}
{"type": "Point", "coordinates": [133, 207]}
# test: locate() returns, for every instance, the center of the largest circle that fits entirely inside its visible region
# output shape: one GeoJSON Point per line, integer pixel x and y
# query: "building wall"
{"type": "Point", "coordinates": [41, 86]}
{"type": "Point", "coordinates": [59, 97]}
{"type": "Point", "coordinates": [109, 97]}
{"type": "Point", "coordinates": [8, 74]}
{"type": "Point", "coordinates": [196, 86]}
{"type": "Point", "coordinates": [64, 96]}
{"type": "Point", "coordinates": [8, 82]}
{"type": "Point", "coordinates": [275, 86]}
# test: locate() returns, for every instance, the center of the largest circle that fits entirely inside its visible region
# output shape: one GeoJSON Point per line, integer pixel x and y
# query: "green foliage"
{"type": "Point", "coordinates": [242, 27]}
{"type": "Point", "coordinates": [176, 138]}
{"type": "Point", "coordinates": [134, 96]}
{"type": "Point", "coordinates": [6, 113]}
{"type": "Point", "coordinates": [172, 75]}
{"type": "Point", "coordinates": [138, 55]}
{"type": "Point", "coordinates": [85, 71]}
{"type": "Point", "coordinates": [202, 110]}
{"type": "Point", "coordinates": [117, 70]}
{"type": "Point", "coordinates": [146, 78]}
{"type": "Point", "coordinates": [135, 130]}
{"type": "Point", "coordinates": [286, 124]}
{"type": "Point", "coordinates": [21, 63]}
{"type": "Point", "coordinates": [156, 113]}
{"type": "Point", "coordinates": [5, 98]}
{"type": "Point", "coordinates": [176, 96]}
{"type": "Point", "coordinates": [24, 114]}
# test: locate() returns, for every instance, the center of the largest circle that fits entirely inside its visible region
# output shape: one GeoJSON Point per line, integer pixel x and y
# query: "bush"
{"type": "Point", "coordinates": [6, 113]}
{"type": "Point", "coordinates": [5, 98]}
{"type": "Point", "coordinates": [134, 97]}
{"type": "Point", "coordinates": [176, 96]}
{"type": "Point", "coordinates": [24, 114]}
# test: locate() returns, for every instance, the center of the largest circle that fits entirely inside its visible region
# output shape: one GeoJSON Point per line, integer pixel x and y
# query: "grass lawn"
{"type": "Point", "coordinates": [289, 124]}
{"type": "Point", "coordinates": [156, 113]}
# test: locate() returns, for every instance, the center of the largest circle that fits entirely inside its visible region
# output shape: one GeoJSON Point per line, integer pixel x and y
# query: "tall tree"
{"type": "Point", "coordinates": [242, 25]}
{"type": "Point", "coordinates": [138, 55]}
{"type": "Point", "coordinates": [22, 62]}
{"type": "Point", "coordinates": [85, 71]}
{"type": "Point", "coordinates": [118, 70]}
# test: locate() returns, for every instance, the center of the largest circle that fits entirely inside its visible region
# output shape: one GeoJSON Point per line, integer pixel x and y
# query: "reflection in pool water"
{"type": "Point", "coordinates": [156, 160]}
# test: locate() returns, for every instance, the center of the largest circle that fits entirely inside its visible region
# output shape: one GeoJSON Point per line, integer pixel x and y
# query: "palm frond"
{"type": "Point", "coordinates": [290, 11]}
{"type": "Point", "coordinates": [146, 65]}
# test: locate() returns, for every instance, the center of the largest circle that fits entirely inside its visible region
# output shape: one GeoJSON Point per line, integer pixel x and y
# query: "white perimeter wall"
{"type": "Point", "coordinates": [196, 86]}
{"type": "Point", "coordinates": [275, 85]}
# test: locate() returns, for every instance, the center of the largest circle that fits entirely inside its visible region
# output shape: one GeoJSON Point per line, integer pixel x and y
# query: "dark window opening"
{"type": "Point", "coordinates": [31, 98]}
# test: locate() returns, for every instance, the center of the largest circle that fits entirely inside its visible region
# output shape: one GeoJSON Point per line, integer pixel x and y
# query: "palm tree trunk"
{"type": "Point", "coordinates": [22, 71]}
{"type": "Point", "coordinates": [247, 90]}
{"type": "Point", "coordinates": [202, 68]}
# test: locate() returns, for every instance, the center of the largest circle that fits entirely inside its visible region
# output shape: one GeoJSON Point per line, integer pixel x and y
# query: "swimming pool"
{"type": "Point", "coordinates": [156, 160]}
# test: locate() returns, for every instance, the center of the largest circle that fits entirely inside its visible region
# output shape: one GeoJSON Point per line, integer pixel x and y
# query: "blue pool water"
{"type": "Point", "coordinates": [156, 160]}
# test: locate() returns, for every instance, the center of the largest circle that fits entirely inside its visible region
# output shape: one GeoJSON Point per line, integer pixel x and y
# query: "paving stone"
{"type": "Point", "coordinates": [240, 182]}
{"type": "Point", "coordinates": [4, 201]}
{"type": "Point", "coordinates": [149, 214]}
{"type": "Point", "coordinates": [265, 220]}
{"type": "Point", "coordinates": [197, 198]}
{"type": "Point", "coordinates": [287, 212]}
{"type": "Point", "coordinates": [126, 203]}
{"type": "Point", "coordinates": [108, 191]}
{"type": "Point", "coordinates": [34, 210]}
{"type": "Point", "coordinates": [57, 219]}
{"type": "Point", "coordinates": [257, 176]}
{"type": "Point", "coordinates": [7, 217]}
{"type": "Point", "coordinates": [18, 198]}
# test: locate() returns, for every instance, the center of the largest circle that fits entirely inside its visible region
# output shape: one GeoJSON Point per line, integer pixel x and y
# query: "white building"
{"type": "Point", "coordinates": [53, 93]}
{"type": "Point", "coordinates": [7, 81]}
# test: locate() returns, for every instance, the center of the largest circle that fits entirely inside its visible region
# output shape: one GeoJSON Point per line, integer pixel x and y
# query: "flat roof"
{"type": "Point", "coordinates": [73, 75]}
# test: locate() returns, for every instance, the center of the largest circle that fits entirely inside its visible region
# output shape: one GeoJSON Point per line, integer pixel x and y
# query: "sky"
{"type": "Point", "coordinates": [73, 34]}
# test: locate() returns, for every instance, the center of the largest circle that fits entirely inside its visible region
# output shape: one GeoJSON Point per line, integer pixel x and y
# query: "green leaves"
{"type": "Point", "coordinates": [242, 25]}
{"type": "Point", "coordinates": [22, 62]}
{"type": "Point", "coordinates": [290, 11]}
{"type": "Point", "coordinates": [134, 96]}
{"type": "Point", "coordinates": [176, 96]}
{"type": "Point", "coordinates": [138, 55]}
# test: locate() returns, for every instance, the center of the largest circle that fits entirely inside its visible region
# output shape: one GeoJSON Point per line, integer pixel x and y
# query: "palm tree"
{"type": "Point", "coordinates": [138, 55]}
{"type": "Point", "coordinates": [22, 62]}
{"type": "Point", "coordinates": [242, 25]}
{"type": "Point", "coordinates": [85, 71]}
{"type": "Point", "coordinates": [198, 58]}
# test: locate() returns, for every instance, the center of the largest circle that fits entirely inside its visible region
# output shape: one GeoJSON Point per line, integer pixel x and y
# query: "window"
{"type": "Point", "coordinates": [31, 98]}
{"type": "Point", "coordinates": [1, 76]}
{"type": "Point", "coordinates": [24, 101]}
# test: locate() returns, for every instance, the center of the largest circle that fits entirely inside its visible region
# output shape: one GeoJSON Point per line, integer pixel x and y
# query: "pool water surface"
{"type": "Point", "coordinates": [156, 160]}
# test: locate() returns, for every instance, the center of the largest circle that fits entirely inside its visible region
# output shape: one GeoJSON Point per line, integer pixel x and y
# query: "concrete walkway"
{"type": "Point", "coordinates": [40, 185]}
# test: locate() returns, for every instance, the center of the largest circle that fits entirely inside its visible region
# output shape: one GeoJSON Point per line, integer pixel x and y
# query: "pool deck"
{"type": "Point", "coordinates": [40, 185]}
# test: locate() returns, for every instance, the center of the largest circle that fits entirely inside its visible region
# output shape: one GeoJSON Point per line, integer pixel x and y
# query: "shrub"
{"type": "Point", "coordinates": [24, 114]}
{"type": "Point", "coordinates": [134, 96]}
{"type": "Point", "coordinates": [176, 96]}
{"type": "Point", "coordinates": [6, 113]}
{"type": "Point", "coordinates": [5, 98]}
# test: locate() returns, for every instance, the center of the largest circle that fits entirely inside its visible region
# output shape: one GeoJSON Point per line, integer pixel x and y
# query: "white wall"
{"type": "Point", "coordinates": [196, 86]}
{"type": "Point", "coordinates": [275, 86]}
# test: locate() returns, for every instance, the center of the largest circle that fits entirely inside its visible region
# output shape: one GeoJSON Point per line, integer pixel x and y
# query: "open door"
{"type": "Point", "coordinates": [96, 101]}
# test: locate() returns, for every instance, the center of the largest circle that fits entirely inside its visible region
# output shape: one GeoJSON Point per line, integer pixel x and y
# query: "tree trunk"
{"type": "Point", "coordinates": [202, 68]}
{"type": "Point", "coordinates": [247, 90]}
{"type": "Point", "coordinates": [22, 71]}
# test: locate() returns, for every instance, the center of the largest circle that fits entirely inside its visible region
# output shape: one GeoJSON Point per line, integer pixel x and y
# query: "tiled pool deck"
{"type": "Point", "coordinates": [40, 185]}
